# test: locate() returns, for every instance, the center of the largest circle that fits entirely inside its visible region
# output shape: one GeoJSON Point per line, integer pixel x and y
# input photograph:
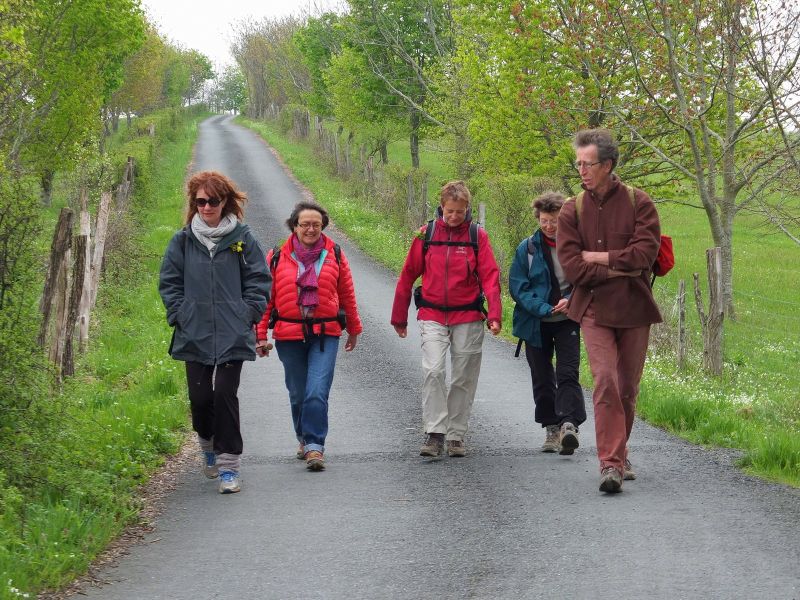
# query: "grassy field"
{"type": "Point", "coordinates": [754, 406]}
{"type": "Point", "coordinates": [112, 423]}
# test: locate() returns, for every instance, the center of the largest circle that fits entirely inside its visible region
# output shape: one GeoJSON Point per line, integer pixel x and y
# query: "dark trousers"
{"type": "Point", "coordinates": [557, 392]}
{"type": "Point", "coordinates": [215, 405]}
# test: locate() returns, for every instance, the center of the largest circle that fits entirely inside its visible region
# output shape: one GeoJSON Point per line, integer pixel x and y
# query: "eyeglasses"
{"type": "Point", "coordinates": [312, 226]}
{"type": "Point", "coordinates": [548, 222]}
{"type": "Point", "coordinates": [213, 202]}
{"type": "Point", "coordinates": [585, 165]}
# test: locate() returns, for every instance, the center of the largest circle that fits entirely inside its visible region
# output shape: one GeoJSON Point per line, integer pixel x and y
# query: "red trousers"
{"type": "Point", "coordinates": [616, 359]}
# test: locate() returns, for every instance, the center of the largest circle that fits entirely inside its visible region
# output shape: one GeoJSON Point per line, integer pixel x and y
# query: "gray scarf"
{"type": "Point", "coordinates": [210, 236]}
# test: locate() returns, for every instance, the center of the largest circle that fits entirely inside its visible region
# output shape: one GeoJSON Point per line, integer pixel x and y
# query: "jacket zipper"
{"type": "Point", "coordinates": [213, 304]}
{"type": "Point", "coordinates": [446, 267]}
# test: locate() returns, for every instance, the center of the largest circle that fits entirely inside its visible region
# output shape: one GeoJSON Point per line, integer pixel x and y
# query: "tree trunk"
{"type": "Point", "coordinates": [414, 138]}
{"type": "Point", "coordinates": [384, 151]}
{"type": "Point", "coordinates": [47, 187]}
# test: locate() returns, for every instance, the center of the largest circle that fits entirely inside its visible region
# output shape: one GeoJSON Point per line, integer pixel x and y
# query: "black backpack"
{"type": "Point", "coordinates": [308, 323]}
{"type": "Point", "coordinates": [419, 301]}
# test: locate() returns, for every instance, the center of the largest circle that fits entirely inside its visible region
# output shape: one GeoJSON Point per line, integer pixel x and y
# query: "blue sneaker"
{"type": "Point", "coordinates": [229, 482]}
{"type": "Point", "coordinates": [209, 462]}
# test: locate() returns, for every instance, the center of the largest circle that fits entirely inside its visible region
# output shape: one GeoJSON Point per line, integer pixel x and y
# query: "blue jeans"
{"type": "Point", "coordinates": [309, 376]}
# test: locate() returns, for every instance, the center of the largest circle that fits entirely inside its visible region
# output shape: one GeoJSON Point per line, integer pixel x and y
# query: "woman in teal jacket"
{"type": "Point", "coordinates": [541, 292]}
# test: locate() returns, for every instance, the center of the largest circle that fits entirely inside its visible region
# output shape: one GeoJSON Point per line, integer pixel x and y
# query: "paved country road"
{"type": "Point", "coordinates": [505, 522]}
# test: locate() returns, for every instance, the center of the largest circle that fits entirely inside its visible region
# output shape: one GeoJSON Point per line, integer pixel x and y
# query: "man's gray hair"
{"type": "Point", "coordinates": [607, 148]}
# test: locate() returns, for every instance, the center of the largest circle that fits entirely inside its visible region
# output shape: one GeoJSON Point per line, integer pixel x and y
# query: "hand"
{"type": "Point", "coordinates": [351, 342]}
{"type": "Point", "coordinates": [263, 347]}
{"type": "Point", "coordinates": [401, 331]}
{"type": "Point", "coordinates": [598, 258]}
{"type": "Point", "coordinates": [494, 327]}
{"type": "Point", "coordinates": [561, 306]}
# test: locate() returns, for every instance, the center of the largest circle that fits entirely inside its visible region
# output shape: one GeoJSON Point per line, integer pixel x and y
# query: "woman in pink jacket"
{"type": "Point", "coordinates": [312, 302]}
{"type": "Point", "coordinates": [459, 270]}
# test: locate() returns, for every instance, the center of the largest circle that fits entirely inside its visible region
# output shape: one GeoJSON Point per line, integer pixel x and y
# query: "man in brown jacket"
{"type": "Point", "coordinates": [607, 252]}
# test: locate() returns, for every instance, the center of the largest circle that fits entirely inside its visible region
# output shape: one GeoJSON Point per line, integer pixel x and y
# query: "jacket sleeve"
{"type": "Point", "coordinates": [577, 270]}
{"type": "Point", "coordinates": [347, 297]}
{"type": "Point", "coordinates": [170, 281]}
{"type": "Point", "coordinates": [256, 279]}
{"type": "Point", "coordinates": [412, 269]}
{"type": "Point", "coordinates": [489, 276]}
{"type": "Point", "coordinates": [262, 329]}
{"type": "Point", "coordinates": [642, 249]}
{"type": "Point", "coordinates": [520, 286]}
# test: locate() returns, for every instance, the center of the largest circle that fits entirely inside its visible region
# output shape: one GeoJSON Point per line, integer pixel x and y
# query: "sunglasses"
{"type": "Point", "coordinates": [214, 202]}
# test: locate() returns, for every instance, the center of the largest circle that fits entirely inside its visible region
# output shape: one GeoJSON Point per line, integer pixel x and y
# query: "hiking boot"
{"type": "Point", "coordinates": [456, 448]}
{"type": "Point", "coordinates": [209, 463]}
{"type": "Point", "coordinates": [229, 482]}
{"type": "Point", "coordinates": [569, 439]}
{"type": "Point", "coordinates": [551, 439]}
{"type": "Point", "coordinates": [628, 474]}
{"type": "Point", "coordinates": [315, 460]}
{"type": "Point", "coordinates": [610, 480]}
{"type": "Point", "coordinates": [301, 451]}
{"type": "Point", "coordinates": [433, 445]}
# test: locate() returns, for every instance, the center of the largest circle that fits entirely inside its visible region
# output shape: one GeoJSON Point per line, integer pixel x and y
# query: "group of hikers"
{"type": "Point", "coordinates": [585, 269]}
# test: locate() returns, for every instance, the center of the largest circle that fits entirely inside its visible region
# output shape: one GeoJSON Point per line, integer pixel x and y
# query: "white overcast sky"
{"type": "Point", "coordinates": [206, 25]}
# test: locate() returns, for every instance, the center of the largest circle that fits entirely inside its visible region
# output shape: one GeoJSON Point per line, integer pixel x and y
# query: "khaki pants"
{"type": "Point", "coordinates": [446, 411]}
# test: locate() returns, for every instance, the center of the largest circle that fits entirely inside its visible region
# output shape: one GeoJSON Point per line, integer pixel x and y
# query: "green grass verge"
{"type": "Point", "coordinates": [754, 406]}
{"type": "Point", "coordinates": [124, 410]}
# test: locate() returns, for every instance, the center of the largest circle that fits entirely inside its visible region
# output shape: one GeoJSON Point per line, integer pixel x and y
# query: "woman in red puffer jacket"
{"type": "Point", "coordinates": [312, 302]}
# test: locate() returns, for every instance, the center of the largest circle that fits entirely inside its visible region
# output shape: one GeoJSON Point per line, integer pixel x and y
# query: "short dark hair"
{"type": "Point", "coordinates": [548, 202]}
{"type": "Point", "coordinates": [607, 148]}
{"type": "Point", "coordinates": [294, 218]}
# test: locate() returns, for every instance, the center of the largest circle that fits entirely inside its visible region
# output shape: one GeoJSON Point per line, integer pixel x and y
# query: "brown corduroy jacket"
{"type": "Point", "coordinates": [631, 235]}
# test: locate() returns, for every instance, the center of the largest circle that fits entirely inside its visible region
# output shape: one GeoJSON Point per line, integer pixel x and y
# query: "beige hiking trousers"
{"type": "Point", "coordinates": [447, 411]}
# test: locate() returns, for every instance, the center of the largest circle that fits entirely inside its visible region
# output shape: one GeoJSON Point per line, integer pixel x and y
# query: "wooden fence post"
{"type": "Point", "coordinates": [78, 275]}
{"type": "Point", "coordinates": [62, 299]}
{"type": "Point", "coordinates": [370, 173]}
{"type": "Point", "coordinates": [482, 214]}
{"type": "Point", "coordinates": [712, 322]}
{"type": "Point", "coordinates": [62, 238]}
{"type": "Point", "coordinates": [85, 298]}
{"type": "Point", "coordinates": [681, 324]}
{"type": "Point", "coordinates": [336, 152]}
{"type": "Point", "coordinates": [101, 230]}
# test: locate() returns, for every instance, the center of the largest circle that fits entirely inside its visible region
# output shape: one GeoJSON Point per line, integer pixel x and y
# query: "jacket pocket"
{"type": "Point", "coordinates": [185, 312]}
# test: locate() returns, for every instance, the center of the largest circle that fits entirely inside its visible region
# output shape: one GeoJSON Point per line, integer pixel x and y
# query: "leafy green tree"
{"type": "Point", "coordinates": [230, 90]}
{"type": "Point", "coordinates": [77, 51]}
{"type": "Point", "coordinates": [361, 102]}
{"type": "Point", "coordinates": [400, 41]}
{"type": "Point", "coordinates": [318, 40]}
{"type": "Point", "coordinates": [143, 78]}
{"type": "Point", "coordinates": [272, 64]}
